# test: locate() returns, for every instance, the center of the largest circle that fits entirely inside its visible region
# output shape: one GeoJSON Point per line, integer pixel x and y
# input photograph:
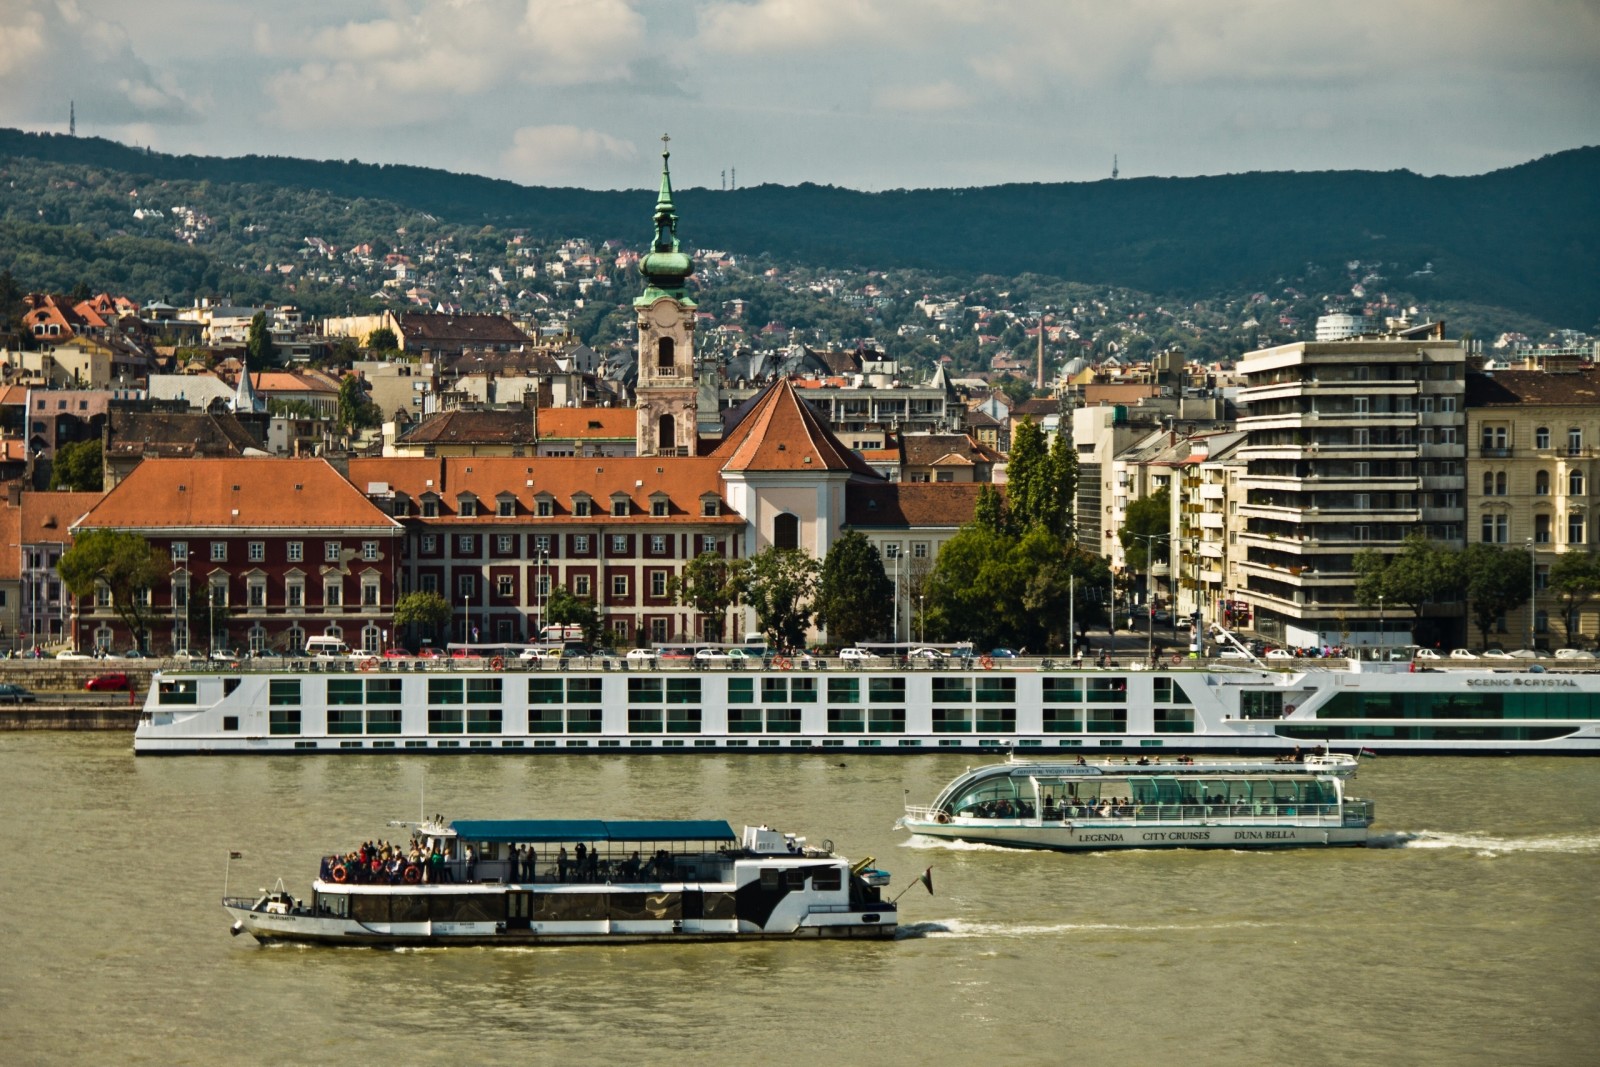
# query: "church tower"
{"type": "Point", "coordinates": [665, 396]}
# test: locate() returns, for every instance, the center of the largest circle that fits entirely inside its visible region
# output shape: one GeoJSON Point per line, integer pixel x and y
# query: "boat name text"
{"type": "Point", "coordinates": [1538, 683]}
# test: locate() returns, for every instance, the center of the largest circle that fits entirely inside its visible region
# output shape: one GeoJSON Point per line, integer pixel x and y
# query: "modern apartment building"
{"type": "Point", "coordinates": [1350, 445]}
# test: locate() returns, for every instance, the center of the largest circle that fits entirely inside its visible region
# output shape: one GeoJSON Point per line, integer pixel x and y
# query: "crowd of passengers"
{"type": "Point", "coordinates": [1069, 807]}
{"type": "Point", "coordinates": [418, 863]}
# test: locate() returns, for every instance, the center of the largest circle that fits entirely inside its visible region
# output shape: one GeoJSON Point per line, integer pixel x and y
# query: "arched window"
{"type": "Point", "coordinates": [666, 434]}
{"type": "Point", "coordinates": [294, 639]}
{"type": "Point", "coordinates": [665, 354]}
{"type": "Point", "coordinates": [1575, 483]}
{"type": "Point", "coordinates": [1541, 483]}
{"type": "Point", "coordinates": [1575, 526]}
{"type": "Point", "coordinates": [371, 638]}
{"type": "Point", "coordinates": [1488, 483]}
{"type": "Point", "coordinates": [786, 531]}
{"type": "Point", "coordinates": [333, 629]}
{"type": "Point", "coordinates": [257, 637]}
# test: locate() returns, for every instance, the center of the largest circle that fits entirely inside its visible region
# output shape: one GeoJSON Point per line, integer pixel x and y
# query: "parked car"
{"type": "Point", "coordinates": [1574, 653]}
{"type": "Point", "coordinates": [641, 657]}
{"type": "Point", "coordinates": [1231, 653]}
{"type": "Point", "coordinates": [537, 654]}
{"type": "Point", "coordinates": [183, 655]}
{"type": "Point", "coordinates": [931, 655]}
{"type": "Point", "coordinates": [1496, 653]}
{"type": "Point", "coordinates": [69, 654]}
{"type": "Point", "coordinates": [857, 655]}
{"type": "Point", "coordinates": [1002, 653]}
{"type": "Point", "coordinates": [1462, 653]}
{"type": "Point", "coordinates": [115, 681]}
{"type": "Point", "coordinates": [134, 653]}
{"type": "Point", "coordinates": [1280, 653]}
{"type": "Point", "coordinates": [266, 653]}
{"type": "Point", "coordinates": [1425, 653]}
{"type": "Point", "coordinates": [1524, 653]}
{"type": "Point", "coordinates": [1161, 615]}
{"type": "Point", "coordinates": [223, 655]}
{"type": "Point", "coordinates": [397, 652]}
{"type": "Point", "coordinates": [15, 694]}
{"type": "Point", "coordinates": [723, 657]}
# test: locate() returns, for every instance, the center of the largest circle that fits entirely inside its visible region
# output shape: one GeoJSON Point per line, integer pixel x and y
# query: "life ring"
{"type": "Point", "coordinates": [413, 874]}
{"type": "Point", "coordinates": [942, 817]}
{"type": "Point", "coordinates": [369, 664]}
{"type": "Point", "coordinates": [497, 664]}
{"type": "Point", "coordinates": [782, 663]}
{"type": "Point", "coordinates": [1176, 660]}
{"type": "Point", "coordinates": [340, 872]}
{"type": "Point", "coordinates": [986, 662]}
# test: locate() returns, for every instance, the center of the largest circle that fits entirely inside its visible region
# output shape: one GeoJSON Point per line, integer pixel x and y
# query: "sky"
{"type": "Point", "coordinates": [868, 94]}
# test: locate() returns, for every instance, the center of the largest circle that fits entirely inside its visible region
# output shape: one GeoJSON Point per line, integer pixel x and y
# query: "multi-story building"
{"type": "Point", "coordinates": [44, 526]}
{"type": "Point", "coordinates": [287, 548]}
{"type": "Point", "coordinates": [1533, 458]}
{"type": "Point", "coordinates": [1351, 445]}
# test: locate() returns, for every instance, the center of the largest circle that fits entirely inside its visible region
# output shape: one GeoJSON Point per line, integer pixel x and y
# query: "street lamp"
{"type": "Point", "coordinates": [544, 559]}
{"type": "Point", "coordinates": [1149, 569]}
{"type": "Point", "coordinates": [1383, 627]}
{"type": "Point", "coordinates": [922, 619]}
{"type": "Point", "coordinates": [1533, 590]}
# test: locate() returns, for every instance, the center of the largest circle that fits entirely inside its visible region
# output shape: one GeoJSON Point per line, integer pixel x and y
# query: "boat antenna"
{"type": "Point", "coordinates": [227, 869]}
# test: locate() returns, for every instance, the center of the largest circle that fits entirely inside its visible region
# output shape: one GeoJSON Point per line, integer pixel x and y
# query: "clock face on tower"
{"type": "Point", "coordinates": [664, 314]}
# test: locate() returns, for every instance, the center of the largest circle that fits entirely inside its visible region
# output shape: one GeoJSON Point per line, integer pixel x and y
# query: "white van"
{"type": "Point", "coordinates": [327, 648]}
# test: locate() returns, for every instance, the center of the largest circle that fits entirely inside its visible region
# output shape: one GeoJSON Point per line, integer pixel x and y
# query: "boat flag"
{"type": "Point", "coordinates": [927, 879]}
{"type": "Point", "coordinates": [1367, 753]}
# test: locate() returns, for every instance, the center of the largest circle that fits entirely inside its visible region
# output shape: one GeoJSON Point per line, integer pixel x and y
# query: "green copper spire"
{"type": "Point", "coordinates": [665, 267]}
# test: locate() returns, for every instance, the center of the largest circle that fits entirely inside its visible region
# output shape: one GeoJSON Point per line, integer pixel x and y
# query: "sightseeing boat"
{"type": "Point", "coordinates": [1034, 706]}
{"type": "Point", "coordinates": [1150, 803]}
{"type": "Point", "coordinates": [568, 881]}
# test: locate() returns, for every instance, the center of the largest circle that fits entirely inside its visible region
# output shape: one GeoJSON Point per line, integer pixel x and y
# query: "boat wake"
{"type": "Point", "coordinates": [968, 928]}
{"type": "Point", "coordinates": [951, 844]}
{"type": "Point", "coordinates": [1484, 845]}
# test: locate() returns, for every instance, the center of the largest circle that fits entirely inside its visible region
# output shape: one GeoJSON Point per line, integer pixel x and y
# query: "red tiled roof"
{"type": "Point", "coordinates": [49, 516]}
{"type": "Point", "coordinates": [897, 504]}
{"type": "Point", "coordinates": [11, 531]}
{"type": "Point", "coordinates": [1533, 387]}
{"type": "Point", "coordinates": [588, 422]}
{"type": "Point", "coordinates": [782, 433]}
{"type": "Point", "coordinates": [235, 493]}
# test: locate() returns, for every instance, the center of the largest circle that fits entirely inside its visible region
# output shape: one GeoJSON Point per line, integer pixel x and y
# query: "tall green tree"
{"type": "Point", "coordinates": [258, 345]}
{"type": "Point", "coordinates": [1063, 485]}
{"type": "Point", "coordinates": [1497, 580]}
{"type": "Point", "coordinates": [77, 467]}
{"type": "Point", "coordinates": [1421, 573]}
{"type": "Point", "coordinates": [1149, 519]}
{"type": "Point", "coordinates": [564, 608]}
{"type": "Point", "coordinates": [1028, 477]}
{"type": "Point", "coordinates": [778, 584]}
{"type": "Point", "coordinates": [990, 511]}
{"type": "Point", "coordinates": [710, 584]}
{"type": "Point", "coordinates": [422, 613]}
{"type": "Point", "coordinates": [121, 562]}
{"type": "Point", "coordinates": [383, 340]}
{"type": "Point", "coordinates": [1575, 583]}
{"type": "Point", "coordinates": [356, 412]}
{"type": "Point", "coordinates": [855, 598]}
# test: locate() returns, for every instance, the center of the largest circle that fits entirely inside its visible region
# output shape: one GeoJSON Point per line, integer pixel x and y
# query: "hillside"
{"type": "Point", "coordinates": [1525, 239]}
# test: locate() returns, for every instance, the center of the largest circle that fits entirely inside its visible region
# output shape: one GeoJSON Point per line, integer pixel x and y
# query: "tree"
{"type": "Point", "coordinates": [1149, 519]}
{"type": "Point", "coordinates": [778, 583]}
{"type": "Point", "coordinates": [1497, 580]}
{"type": "Point", "coordinates": [124, 564]}
{"type": "Point", "coordinates": [258, 344]}
{"type": "Point", "coordinates": [1028, 476]}
{"type": "Point", "coordinates": [565, 609]}
{"type": "Point", "coordinates": [383, 340]}
{"type": "Point", "coordinates": [710, 585]}
{"type": "Point", "coordinates": [78, 468]}
{"type": "Point", "coordinates": [990, 511]}
{"type": "Point", "coordinates": [209, 616]}
{"type": "Point", "coordinates": [1574, 581]}
{"type": "Point", "coordinates": [1422, 573]}
{"type": "Point", "coordinates": [356, 412]}
{"type": "Point", "coordinates": [1064, 485]}
{"type": "Point", "coordinates": [855, 599]}
{"type": "Point", "coordinates": [423, 612]}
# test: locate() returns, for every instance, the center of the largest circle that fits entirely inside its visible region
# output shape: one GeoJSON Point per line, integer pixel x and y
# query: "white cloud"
{"type": "Point", "coordinates": [567, 155]}
{"type": "Point", "coordinates": [934, 97]}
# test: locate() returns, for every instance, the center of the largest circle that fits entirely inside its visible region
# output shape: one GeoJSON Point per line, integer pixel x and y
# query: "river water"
{"type": "Point", "coordinates": [1472, 936]}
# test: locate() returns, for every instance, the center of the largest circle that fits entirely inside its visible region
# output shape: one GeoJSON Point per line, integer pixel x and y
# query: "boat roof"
{"type": "Point", "coordinates": [592, 830]}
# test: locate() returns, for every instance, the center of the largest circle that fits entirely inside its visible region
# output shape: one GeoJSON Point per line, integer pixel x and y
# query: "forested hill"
{"type": "Point", "coordinates": [1525, 238]}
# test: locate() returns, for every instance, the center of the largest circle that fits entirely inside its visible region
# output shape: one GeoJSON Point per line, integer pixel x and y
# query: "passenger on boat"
{"type": "Point", "coordinates": [629, 868]}
{"type": "Point", "coordinates": [562, 863]}
{"type": "Point", "coordinates": [591, 871]}
{"type": "Point", "coordinates": [530, 864]}
{"type": "Point", "coordinates": [581, 867]}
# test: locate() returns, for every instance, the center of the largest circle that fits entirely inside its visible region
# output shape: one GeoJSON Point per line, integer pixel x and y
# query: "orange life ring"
{"type": "Point", "coordinates": [369, 664]}
{"type": "Point", "coordinates": [782, 663]}
{"type": "Point", "coordinates": [413, 873]}
{"type": "Point", "coordinates": [497, 664]}
{"type": "Point", "coordinates": [943, 817]}
{"type": "Point", "coordinates": [986, 662]}
{"type": "Point", "coordinates": [340, 873]}
{"type": "Point", "coordinates": [1176, 660]}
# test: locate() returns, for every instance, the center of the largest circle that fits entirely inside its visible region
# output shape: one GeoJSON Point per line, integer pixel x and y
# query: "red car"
{"type": "Point", "coordinates": [107, 683]}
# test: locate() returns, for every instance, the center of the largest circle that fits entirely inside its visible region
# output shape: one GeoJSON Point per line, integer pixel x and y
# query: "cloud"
{"type": "Point", "coordinates": [933, 97]}
{"type": "Point", "coordinates": [567, 155]}
{"type": "Point", "coordinates": [51, 52]}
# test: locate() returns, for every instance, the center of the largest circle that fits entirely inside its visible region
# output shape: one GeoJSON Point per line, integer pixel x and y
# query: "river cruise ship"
{"type": "Point", "coordinates": [1032, 706]}
{"type": "Point", "coordinates": [568, 881]}
{"type": "Point", "coordinates": [1150, 803]}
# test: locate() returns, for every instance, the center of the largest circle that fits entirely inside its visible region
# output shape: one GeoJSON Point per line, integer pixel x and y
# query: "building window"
{"type": "Point", "coordinates": [369, 551]}
{"type": "Point", "coordinates": [786, 531]}
{"type": "Point", "coordinates": [429, 543]}
{"type": "Point", "coordinates": [430, 509]}
{"type": "Point", "coordinates": [469, 508]}
{"type": "Point", "coordinates": [1496, 529]}
{"type": "Point", "coordinates": [542, 585]}
{"type": "Point", "coordinates": [541, 544]}
{"type": "Point", "coordinates": [1541, 529]}
{"type": "Point", "coordinates": [219, 593]}
{"type": "Point", "coordinates": [296, 551]}
{"type": "Point", "coordinates": [708, 543]}
{"type": "Point", "coordinates": [464, 544]}
{"type": "Point", "coordinates": [295, 594]}
{"type": "Point", "coordinates": [620, 508]}
{"type": "Point", "coordinates": [891, 550]}
{"type": "Point", "coordinates": [581, 585]}
{"type": "Point", "coordinates": [658, 584]}
{"type": "Point", "coordinates": [258, 551]}
{"type": "Point", "coordinates": [331, 551]}
{"type": "Point", "coordinates": [1447, 404]}
{"type": "Point", "coordinates": [502, 544]}
{"type": "Point", "coordinates": [219, 551]}
{"type": "Point", "coordinates": [508, 508]}
{"type": "Point", "coordinates": [1575, 528]}
{"type": "Point", "coordinates": [258, 592]}
{"type": "Point", "coordinates": [919, 550]}
{"type": "Point", "coordinates": [619, 544]}
{"type": "Point", "coordinates": [580, 544]}
{"type": "Point", "coordinates": [1575, 442]}
{"type": "Point", "coordinates": [1541, 437]}
{"type": "Point", "coordinates": [658, 544]}
{"type": "Point", "coordinates": [543, 509]}
{"type": "Point", "coordinates": [427, 583]}
{"type": "Point", "coordinates": [465, 585]}
{"type": "Point", "coordinates": [1494, 483]}
{"type": "Point", "coordinates": [1575, 483]}
{"type": "Point", "coordinates": [580, 508]}
{"type": "Point", "coordinates": [180, 551]}
{"type": "Point", "coordinates": [503, 586]}
{"type": "Point", "coordinates": [333, 593]}
{"type": "Point", "coordinates": [658, 508]}
{"type": "Point", "coordinates": [711, 508]}
{"type": "Point", "coordinates": [619, 585]}
{"type": "Point", "coordinates": [1541, 483]}
{"type": "Point", "coordinates": [369, 594]}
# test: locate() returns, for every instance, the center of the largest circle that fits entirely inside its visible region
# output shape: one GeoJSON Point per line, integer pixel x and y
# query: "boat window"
{"type": "Point", "coordinates": [744, 720]}
{"type": "Point", "coordinates": [331, 904]}
{"type": "Point", "coordinates": [383, 690]}
{"type": "Point", "coordinates": [775, 690]}
{"type": "Point", "coordinates": [229, 685]}
{"type": "Point", "coordinates": [369, 908]}
{"type": "Point", "coordinates": [644, 690]}
{"type": "Point", "coordinates": [997, 797]}
{"type": "Point", "coordinates": [845, 721]}
{"type": "Point", "coordinates": [1169, 690]}
{"type": "Point", "coordinates": [683, 690]}
{"type": "Point", "coordinates": [181, 691]}
{"type": "Point", "coordinates": [583, 690]}
{"type": "Point", "coordinates": [794, 877]}
{"type": "Point", "coordinates": [644, 720]}
{"type": "Point", "coordinates": [284, 721]}
{"type": "Point", "coordinates": [444, 721]}
{"type": "Point", "coordinates": [952, 689]}
{"type": "Point", "coordinates": [771, 878]}
{"type": "Point", "coordinates": [408, 909]}
{"type": "Point", "coordinates": [483, 720]}
{"type": "Point", "coordinates": [544, 690]}
{"type": "Point", "coordinates": [345, 721]}
{"type": "Point", "coordinates": [720, 906]}
{"type": "Point", "coordinates": [466, 907]}
{"type": "Point", "coordinates": [569, 907]}
{"type": "Point", "coordinates": [997, 720]}
{"type": "Point", "coordinates": [283, 691]}
{"type": "Point", "coordinates": [583, 720]}
{"type": "Point", "coordinates": [1108, 720]}
{"type": "Point", "coordinates": [1063, 690]}
{"type": "Point", "coordinates": [444, 690]}
{"type": "Point", "coordinates": [544, 720]}
{"type": "Point", "coordinates": [741, 690]}
{"type": "Point", "coordinates": [1174, 720]}
{"type": "Point", "coordinates": [1260, 704]}
{"type": "Point", "coordinates": [1062, 721]}
{"type": "Point", "coordinates": [1108, 690]}
{"type": "Point", "coordinates": [827, 879]}
{"type": "Point", "coordinates": [844, 690]}
{"type": "Point", "coordinates": [683, 720]}
{"type": "Point", "coordinates": [886, 720]}
{"type": "Point", "coordinates": [383, 721]}
{"type": "Point", "coordinates": [997, 690]}
{"type": "Point", "coordinates": [345, 690]}
{"type": "Point", "coordinates": [886, 690]}
{"type": "Point", "coordinates": [784, 720]}
{"type": "Point", "coordinates": [483, 690]}
{"type": "Point", "coordinates": [642, 906]}
{"type": "Point", "coordinates": [803, 690]}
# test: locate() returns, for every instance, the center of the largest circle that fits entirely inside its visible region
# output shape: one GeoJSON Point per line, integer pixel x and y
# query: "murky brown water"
{"type": "Point", "coordinates": [1471, 939]}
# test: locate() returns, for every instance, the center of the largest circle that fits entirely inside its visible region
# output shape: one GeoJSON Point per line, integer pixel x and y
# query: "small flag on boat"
{"type": "Point", "coordinates": [236, 855]}
{"type": "Point", "coordinates": [1367, 753]}
{"type": "Point", "coordinates": [927, 879]}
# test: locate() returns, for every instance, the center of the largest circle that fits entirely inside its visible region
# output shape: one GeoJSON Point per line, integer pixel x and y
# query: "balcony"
{"type": "Point", "coordinates": [1498, 452]}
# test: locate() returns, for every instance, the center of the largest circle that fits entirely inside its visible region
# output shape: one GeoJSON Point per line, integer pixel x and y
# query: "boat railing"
{"type": "Point", "coordinates": [1122, 815]}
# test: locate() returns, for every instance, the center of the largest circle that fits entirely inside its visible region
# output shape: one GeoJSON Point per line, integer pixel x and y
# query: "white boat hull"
{"type": "Point", "coordinates": [1089, 837]}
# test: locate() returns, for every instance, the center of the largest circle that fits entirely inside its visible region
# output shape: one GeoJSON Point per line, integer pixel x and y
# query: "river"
{"type": "Point", "coordinates": [1469, 937]}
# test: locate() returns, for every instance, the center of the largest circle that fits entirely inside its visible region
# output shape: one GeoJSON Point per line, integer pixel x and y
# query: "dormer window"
{"type": "Point", "coordinates": [660, 505]}
{"type": "Point", "coordinates": [621, 506]}
{"type": "Point", "coordinates": [544, 505]}
{"type": "Point", "coordinates": [430, 505]}
{"type": "Point", "coordinates": [467, 506]}
{"type": "Point", "coordinates": [505, 505]}
{"type": "Point", "coordinates": [710, 506]}
{"type": "Point", "coordinates": [580, 506]}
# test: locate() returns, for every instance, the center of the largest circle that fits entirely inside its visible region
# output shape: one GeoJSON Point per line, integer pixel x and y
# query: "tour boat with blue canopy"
{"type": "Point", "coordinates": [1069, 805]}
{"type": "Point", "coordinates": [564, 881]}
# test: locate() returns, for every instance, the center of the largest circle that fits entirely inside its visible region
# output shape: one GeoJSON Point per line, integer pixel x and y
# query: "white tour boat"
{"type": "Point", "coordinates": [1032, 706]}
{"type": "Point", "coordinates": [566, 881]}
{"type": "Point", "coordinates": [1171, 803]}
